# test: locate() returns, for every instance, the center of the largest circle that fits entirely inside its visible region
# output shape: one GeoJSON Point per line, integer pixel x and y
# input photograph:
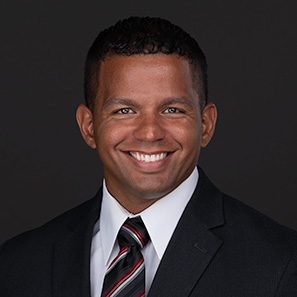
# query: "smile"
{"type": "Point", "coordinates": [148, 157]}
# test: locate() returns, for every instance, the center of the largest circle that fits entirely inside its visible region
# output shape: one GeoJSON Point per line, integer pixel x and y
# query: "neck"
{"type": "Point", "coordinates": [136, 208]}
{"type": "Point", "coordinates": [133, 202]}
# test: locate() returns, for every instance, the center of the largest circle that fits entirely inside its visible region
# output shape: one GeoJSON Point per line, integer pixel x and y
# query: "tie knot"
{"type": "Point", "coordinates": [133, 233]}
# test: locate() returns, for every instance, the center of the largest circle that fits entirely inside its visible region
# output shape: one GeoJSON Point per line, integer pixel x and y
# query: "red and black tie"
{"type": "Point", "coordinates": [125, 275]}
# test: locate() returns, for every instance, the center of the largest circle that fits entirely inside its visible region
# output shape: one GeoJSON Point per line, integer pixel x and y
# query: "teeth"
{"type": "Point", "coordinates": [148, 158]}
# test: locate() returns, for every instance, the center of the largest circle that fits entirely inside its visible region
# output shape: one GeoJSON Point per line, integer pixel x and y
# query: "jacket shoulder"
{"type": "Point", "coordinates": [45, 235]}
{"type": "Point", "coordinates": [257, 231]}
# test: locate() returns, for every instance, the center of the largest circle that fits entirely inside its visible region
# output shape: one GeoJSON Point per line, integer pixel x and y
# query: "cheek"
{"type": "Point", "coordinates": [109, 135]}
{"type": "Point", "coordinates": [188, 135]}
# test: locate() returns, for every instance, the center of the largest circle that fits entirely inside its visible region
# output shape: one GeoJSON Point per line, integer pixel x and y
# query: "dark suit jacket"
{"type": "Point", "coordinates": [220, 248]}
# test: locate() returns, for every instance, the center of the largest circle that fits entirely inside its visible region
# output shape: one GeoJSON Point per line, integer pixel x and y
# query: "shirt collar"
{"type": "Point", "coordinates": [160, 219]}
{"type": "Point", "coordinates": [112, 217]}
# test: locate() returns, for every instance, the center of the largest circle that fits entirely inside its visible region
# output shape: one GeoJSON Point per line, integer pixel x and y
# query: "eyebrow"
{"type": "Point", "coordinates": [178, 100]}
{"type": "Point", "coordinates": [168, 101]}
{"type": "Point", "coordinates": [120, 101]}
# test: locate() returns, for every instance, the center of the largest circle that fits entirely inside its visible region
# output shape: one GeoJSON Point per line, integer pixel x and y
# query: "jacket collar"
{"type": "Point", "coordinates": [193, 244]}
{"type": "Point", "coordinates": [71, 254]}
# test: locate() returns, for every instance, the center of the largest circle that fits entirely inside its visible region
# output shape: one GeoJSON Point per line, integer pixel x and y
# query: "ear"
{"type": "Point", "coordinates": [84, 118]}
{"type": "Point", "coordinates": [209, 119]}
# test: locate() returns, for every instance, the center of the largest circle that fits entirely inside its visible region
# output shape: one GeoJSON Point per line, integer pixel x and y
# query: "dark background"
{"type": "Point", "coordinates": [251, 48]}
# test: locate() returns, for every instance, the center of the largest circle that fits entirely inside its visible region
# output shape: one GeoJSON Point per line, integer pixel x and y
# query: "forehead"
{"type": "Point", "coordinates": [147, 74]}
{"type": "Point", "coordinates": [158, 60]}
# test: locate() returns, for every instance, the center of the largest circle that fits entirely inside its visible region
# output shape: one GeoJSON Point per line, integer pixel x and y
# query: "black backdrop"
{"type": "Point", "coordinates": [251, 48]}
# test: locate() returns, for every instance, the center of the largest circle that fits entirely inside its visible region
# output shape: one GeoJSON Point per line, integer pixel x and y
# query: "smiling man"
{"type": "Point", "coordinates": [147, 125]}
{"type": "Point", "coordinates": [157, 226]}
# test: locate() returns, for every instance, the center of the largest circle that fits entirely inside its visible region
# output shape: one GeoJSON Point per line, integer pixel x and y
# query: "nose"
{"type": "Point", "coordinates": [149, 129]}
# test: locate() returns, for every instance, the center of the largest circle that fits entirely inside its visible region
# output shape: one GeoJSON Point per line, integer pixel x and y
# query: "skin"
{"type": "Point", "coordinates": [146, 104]}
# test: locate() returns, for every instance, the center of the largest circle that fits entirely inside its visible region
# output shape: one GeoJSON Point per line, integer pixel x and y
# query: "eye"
{"type": "Point", "coordinates": [172, 110]}
{"type": "Point", "coordinates": [125, 110]}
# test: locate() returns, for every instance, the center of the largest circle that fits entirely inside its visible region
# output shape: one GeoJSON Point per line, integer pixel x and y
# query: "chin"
{"type": "Point", "coordinates": [150, 191]}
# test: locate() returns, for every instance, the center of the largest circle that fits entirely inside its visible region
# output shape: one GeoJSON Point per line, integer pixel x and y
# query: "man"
{"type": "Point", "coordinates": [158, 226]}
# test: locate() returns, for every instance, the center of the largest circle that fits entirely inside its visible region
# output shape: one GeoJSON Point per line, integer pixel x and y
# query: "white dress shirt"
{"type": "Point", "coordinates": [160, 220]}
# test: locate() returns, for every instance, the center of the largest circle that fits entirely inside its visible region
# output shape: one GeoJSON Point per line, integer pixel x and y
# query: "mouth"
{"type": "Point", "coordinates": [148, 158]}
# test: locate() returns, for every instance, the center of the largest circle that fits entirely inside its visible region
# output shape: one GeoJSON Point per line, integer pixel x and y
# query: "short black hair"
{"type": "Point", "coordinates": [144, 35]}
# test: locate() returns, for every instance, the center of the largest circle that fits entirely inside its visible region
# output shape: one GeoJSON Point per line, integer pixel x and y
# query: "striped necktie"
{"type": "Point", "coordinates": [125, 275]}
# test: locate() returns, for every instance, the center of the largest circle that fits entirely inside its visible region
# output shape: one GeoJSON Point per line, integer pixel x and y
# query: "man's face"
{"type": "Point", "coordinates": [146, 125]}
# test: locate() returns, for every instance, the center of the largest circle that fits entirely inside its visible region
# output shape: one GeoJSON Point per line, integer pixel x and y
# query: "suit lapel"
{"type": "Point", "coordinates": [190, 250]}
{"type": "Point", "coordinates": [71, 254]}
{"type": "Point", "coordinates": [193, 245]}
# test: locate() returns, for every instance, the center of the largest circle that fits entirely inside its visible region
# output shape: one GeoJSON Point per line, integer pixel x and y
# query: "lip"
{"type": "Point", "coordinates": [148, 157]}
{"type": "Point", "coordinates": [149, 152]}
{"type": "Point", "coordinates": [150, 167]}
